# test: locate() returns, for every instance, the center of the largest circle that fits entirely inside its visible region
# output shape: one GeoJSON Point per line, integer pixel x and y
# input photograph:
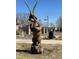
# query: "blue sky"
{"type": "Point", "coordinates": [50, 8]}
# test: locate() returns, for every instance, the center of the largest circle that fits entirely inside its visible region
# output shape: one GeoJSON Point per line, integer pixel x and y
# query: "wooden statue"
{"type": "Point", "coordinates": [36, 29]}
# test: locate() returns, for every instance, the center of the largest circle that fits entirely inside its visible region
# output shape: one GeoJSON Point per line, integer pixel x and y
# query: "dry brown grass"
{"type": "Point", "coordinates": [50, 52]}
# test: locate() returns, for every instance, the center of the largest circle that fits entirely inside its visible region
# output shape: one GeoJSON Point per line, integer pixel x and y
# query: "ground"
{"type": "Point", "coordinates": [52, 49]}
{"type": "Point", "coordinates": [50, 52]}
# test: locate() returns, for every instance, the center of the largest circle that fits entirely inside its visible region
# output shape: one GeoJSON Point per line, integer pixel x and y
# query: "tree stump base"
{"type": "Point", "coordinates": [36, 49]}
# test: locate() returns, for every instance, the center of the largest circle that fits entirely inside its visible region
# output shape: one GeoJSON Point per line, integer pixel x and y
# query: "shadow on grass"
{"type": "Point", "coordinates": [25, 51]}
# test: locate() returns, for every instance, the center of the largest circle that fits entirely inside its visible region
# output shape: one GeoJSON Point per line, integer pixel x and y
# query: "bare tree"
{"type": "Point", "coordinates": [51, 24]}
{"type": "Point", "coordinates": [22, 18]}
{"type": "Point", "coordinates": [59, 23]}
